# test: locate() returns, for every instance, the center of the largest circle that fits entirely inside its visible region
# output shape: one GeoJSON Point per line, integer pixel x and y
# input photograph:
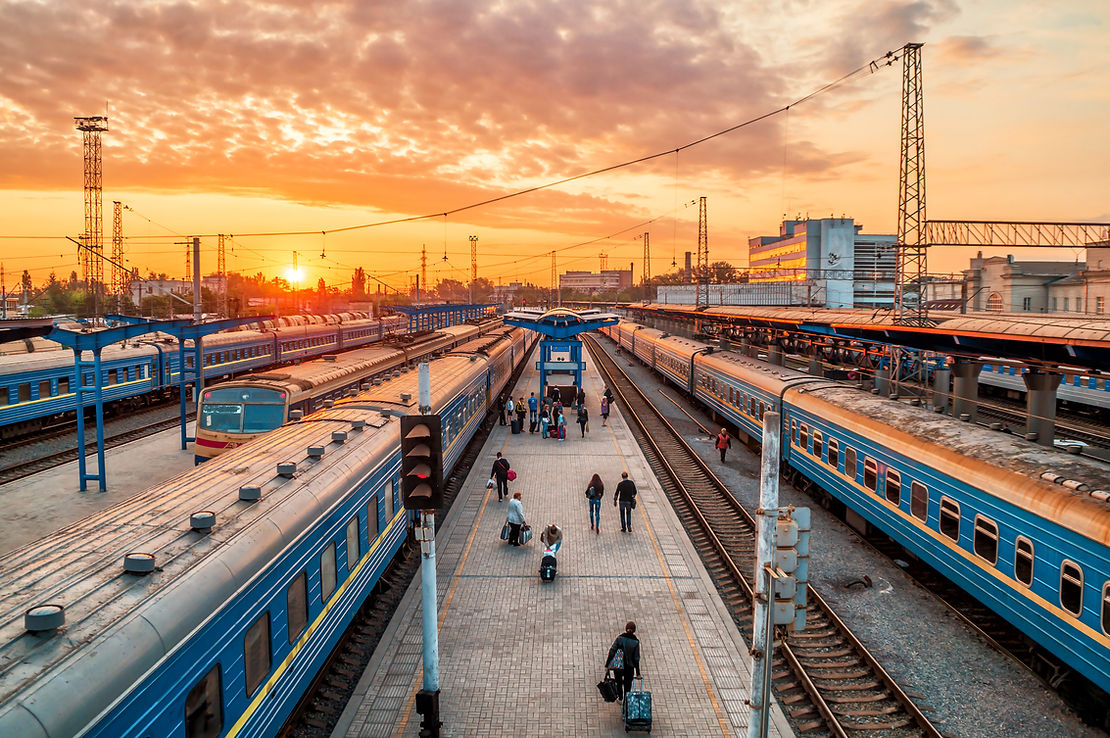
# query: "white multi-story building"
{"type": "Point", "coordinates": [607, 280]}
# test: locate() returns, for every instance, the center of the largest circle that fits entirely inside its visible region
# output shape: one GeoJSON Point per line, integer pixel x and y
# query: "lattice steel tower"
{"type": "Point", "coordinates": [221, 271]}
{"type": "Point", "coordinates": [909, 294]}
{"type": "Point", "coordinates": [703, 254]}
{"type": "Point", "coordinates": [647, 258]}
{"type": "Point", "coordinates": [603, 261]}
{"type": "Point", "coordinates": [121, 281]}
{"type": "Point", "coordinates": [92, 268]}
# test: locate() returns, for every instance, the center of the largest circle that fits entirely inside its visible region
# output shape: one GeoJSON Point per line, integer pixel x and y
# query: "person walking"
{"type": "Point", "coordinates": [501, 410]}
{"type": "Point", "coordinates": [552, 537]}
{"type": "Point", "coordinates": [724, 442]}
{"type": "Point", "coordinates": [562, 426]}
{"type": "Point", "coordinates": [580, 398]}
{"type": "Point", "coordinates": [500, 473]}
{"type": "Point", "coordinates": [515, 518]}
{"type": "Point", "coordinates": [595, 491]}
{"type": "Point", "coordinates": [604, 411]}
{"type": "Point", "coordinates": [624, 657]}
{"type": "Point", "coordinates": [521, 412]}
{"type": "Point", "coordinates": [583, 418]}
{"type": "Point", "coordinates": [626, 498]}
{"type": "Point", "coordinates": [545, 420]}
{"type": "Point", "coordinates": [533, 413]}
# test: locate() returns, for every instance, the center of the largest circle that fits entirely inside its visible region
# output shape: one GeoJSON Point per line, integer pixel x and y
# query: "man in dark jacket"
{"type": "Point", "coordinates": [626, 498]}
{"type": "Point", "coordinates": [500, 472]}
{"type": "Point", "coordinates": [580, 398]}
{"type": "Point", "coordinates": [628, 646]}
{"type": "Point", "coordinates": [501, 410]}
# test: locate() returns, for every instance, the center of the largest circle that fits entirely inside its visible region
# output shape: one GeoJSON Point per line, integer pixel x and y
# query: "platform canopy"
{"type": "Point", "coordinates": [561, 323]}
{"type": "Point", "coordinates": [23, 328]}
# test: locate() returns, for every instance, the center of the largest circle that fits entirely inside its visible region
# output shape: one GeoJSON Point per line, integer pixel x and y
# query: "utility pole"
{"type": "Point", "coordinates": [119, 274]}
{"type": "Point", "coordinates": [556, 293]}
{"type": "Point", "coordinates": [647, 258]}
{"type": "Point", "coordinates": [473, 265]}
{"type": "Point", "coordinates": [909, 293]}
{"type": "Point", "coordinates": [3, 295]}
{"type": "Point", "coordinates": [423, 270]}
{"type": "Point", "coordinates": [196, 295]}
{"type": "Point", "coordinates": [703, 253]}
{"type": "Point", "coordinates": [221, 271]}
{"type": "Point", "coordinates": [604, 261]}
{"type": "Point", "coordinates": [92, 269]}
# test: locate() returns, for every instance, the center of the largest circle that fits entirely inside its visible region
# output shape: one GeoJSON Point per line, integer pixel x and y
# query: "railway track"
{"type": "Point", "coordinates": [37, 464]}
{"type": "Point", "coordinates": [824, 678]}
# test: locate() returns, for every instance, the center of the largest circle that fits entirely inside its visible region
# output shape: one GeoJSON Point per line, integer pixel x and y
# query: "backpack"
{"type": "Point", "coordinates": [592, 493]}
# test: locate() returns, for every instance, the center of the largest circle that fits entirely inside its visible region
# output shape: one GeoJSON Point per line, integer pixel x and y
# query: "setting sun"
{"type": "Point", "coordinates": [294, 275]}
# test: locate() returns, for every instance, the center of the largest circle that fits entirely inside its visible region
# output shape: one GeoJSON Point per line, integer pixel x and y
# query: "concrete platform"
{"type": "Point", "coordinates": [522, 658]}
{"type": "Point", "coordinates": [41, 503]}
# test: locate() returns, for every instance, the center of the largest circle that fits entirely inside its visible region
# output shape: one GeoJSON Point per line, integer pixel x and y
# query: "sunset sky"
{"type": "Point", "coordinates": [251, 118]}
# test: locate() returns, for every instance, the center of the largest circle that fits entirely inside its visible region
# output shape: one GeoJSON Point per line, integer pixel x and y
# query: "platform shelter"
{"type": "Point", "coordinates": [560, 349]}
{"type": "Point", "coordinates": [434, 317]}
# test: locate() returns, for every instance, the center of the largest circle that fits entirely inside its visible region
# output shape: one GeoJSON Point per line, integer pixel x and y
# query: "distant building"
{"type": "Point", "coordinates": [607, 280]}
{"type": "Point", "coordinates": [840, 266]}
{"type": "Point", "coordinates": [1001, 284]}
{"type": "Point", "coordinates": [504, 293]}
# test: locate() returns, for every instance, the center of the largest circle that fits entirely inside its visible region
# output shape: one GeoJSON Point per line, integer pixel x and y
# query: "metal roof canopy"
{"type": "Point", "coordinates": [560, 325]}
{"type": "Point", "coordinates": [1060, 341]}
{"type": "Point", "coordinates": [432, 317]}
{"type": "Point", "coordinates": [19, 329]}
{"type": "Point", "coordinates": [95, 340]}
{"type": "Point", "coordinates": [186, 330]}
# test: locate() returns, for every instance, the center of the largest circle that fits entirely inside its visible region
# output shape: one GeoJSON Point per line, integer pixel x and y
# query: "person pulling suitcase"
{"type": "Point", "coordinates": [624, 661]}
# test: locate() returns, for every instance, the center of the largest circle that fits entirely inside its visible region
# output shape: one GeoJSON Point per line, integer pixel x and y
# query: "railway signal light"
{"type": "Point", "coordinates": [792, 560]}
{"type": "Point", "coordinates": [422, 462]}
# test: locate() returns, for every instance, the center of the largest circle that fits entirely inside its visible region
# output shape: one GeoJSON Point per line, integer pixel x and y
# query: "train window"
{"type": "Point", "coordinates": [762, 411]}
{"type": "Point", "coordinates": [950, 518]}
{"type": "Point", "coordinates": [985, 541]}
{"type": "Point", "coordinates": [803, 437]}
{"type": "Point", "coordinates": [731, 396]}
{"type": "Point", "coordinates": [818, 443]}
{"type": "Point", "coordinates": [1106, 608]}
{"type": "Point", "coordinates": [296, 600]}
{"type": "Point", "coordinates": [834, 453]}
{"type": "Point", "coordinates": [44, 388]}
{"type": "Point", "coordinates": [25, 392]}
{"type": "Point", "coordinates": [204, 713]}
{"type": "Point", "coordinates": [850, 463]}
{"type": "Point", "coordinates": [870, 474]}
{"type": "Point", "coordinates": [4, 397]}
{"type": "Point", "coordinates": [389, 501]}
{"type": "Point", "coordinates": [893, 486]}
{"type": "Point", "coordinates": [372, 518]}
{"type": "Point", "coordinates": [1071, 587]}
{"type": "Point", "coordinates": [1023, 561]}
{"type": "Point", "coordinates": [113, 377]}
{"type": "Point", "coordinates": [327, 572]}
{"type": "Point", "coordinates": [352, 544]}
{"type": "Point", "coordinates": [189, 361]}
{"type": "Point", "coordinates": [256, 652]}
{"type": "Point", "coordinates": [919, 501]}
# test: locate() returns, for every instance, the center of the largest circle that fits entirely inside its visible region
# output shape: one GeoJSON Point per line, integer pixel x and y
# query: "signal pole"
{"type": "Point", "coordinates": [647, 258]}
{"type": "Point", "coordinates": [473, 265]}
{"type": "Point", "coordinates": [703, 253]}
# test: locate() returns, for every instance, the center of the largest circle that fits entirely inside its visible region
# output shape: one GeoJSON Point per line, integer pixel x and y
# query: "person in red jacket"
{"type": "Point", "coordinates": [724, 442]}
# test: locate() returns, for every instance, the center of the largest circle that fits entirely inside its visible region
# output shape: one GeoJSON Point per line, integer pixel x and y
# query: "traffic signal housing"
{"type": "Point", "coordinates": [422, 462]}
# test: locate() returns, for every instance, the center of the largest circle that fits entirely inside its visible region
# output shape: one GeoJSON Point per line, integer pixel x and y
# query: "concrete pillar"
{"type": "Point", "coordinates": [882, 381]}
{"type": "Point", "coordinates": [815, 367]}
{"type": "Point", "coordinates": [965, 388]}
{"type": "Point", "coordinates": [942, 381]}
{"type": "Point", "coordinates": [774, 354]}
{"type": "Point", "coordinates": [1040, 405]}
{"type": "Point", "coordinates": [746, 346]}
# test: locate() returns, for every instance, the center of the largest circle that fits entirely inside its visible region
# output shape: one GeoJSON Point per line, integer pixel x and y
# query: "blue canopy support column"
{"type": "Point", "coordinates": [560, 350]}
{"type": "Point", "coordinates": [94, 341]}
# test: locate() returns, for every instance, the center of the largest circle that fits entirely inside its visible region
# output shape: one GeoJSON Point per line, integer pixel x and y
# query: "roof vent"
{"type": "Point", "coordinates": [1051, 477]}
{"type": "Point", "coordinates": [296, 415]}
{"type": "Point", "coordinates": [396, 374]}
{"type": "Point", "coordinates": [287, 469]}
{"type": "Point", "coordinates": [377, 381]}
{"type": "Point", "coordinates": [406, 396]}
{"type": "Point", "coordinates": [329, 403]}
{"type": "Point", "coordinates": [365, 387]}
{"type": "Point", "coordinates": [474, 357]}
{"type": "Point", "coordinates": [250, 493]}
{"type": "Point", "coordinates": [1099, 494]}
{"type": "Point", "coordinates": [339, 436]}
{"type": "Point", "coordinates": [358, 424]}
{"type": "Point", "coordinates": [1076, 485]}
{"type": "Point", "coordinates": [894, 395]}
{"type": "Point", "coordinates": [1031, 436]}
{"type": "Point", "coordinates": [351, 392]}
{"type": "Point", "coordinates": [965, 417]}
{"type": "Point", "coordinates": [138, 563]}
{"type": "Point", "coordinates": [996, 426]}
{"type": "Point", "coordinates": [202, 521]}
{"type": "Point", "coordinates": [330, 357]}
{"type": "Point", "coordinates": [42, 618]}
{"type": "Point", "coordinates": [315, 452]}
{"type": "Point", "coordinates": [874, 390]}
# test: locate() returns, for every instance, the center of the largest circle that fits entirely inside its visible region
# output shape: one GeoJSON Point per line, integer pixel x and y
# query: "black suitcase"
{"type": "Point", "coordinates": [532, 426]}
{"type": "Point", "coordinates": [516, 425]}
{"type": "Point", "coordinates": [548, 566]}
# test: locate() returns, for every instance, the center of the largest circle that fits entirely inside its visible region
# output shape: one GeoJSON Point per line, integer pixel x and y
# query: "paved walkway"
{"type": "Point", "coordinates": [522, 658]}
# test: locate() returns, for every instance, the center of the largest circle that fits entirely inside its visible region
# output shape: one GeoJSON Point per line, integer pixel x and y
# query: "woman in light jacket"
{"type": "Point", "coordinates": [515, 519]}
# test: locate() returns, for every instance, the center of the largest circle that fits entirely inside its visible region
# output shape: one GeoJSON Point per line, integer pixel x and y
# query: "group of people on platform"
{"type": "Point", "coordinates": [549, 419]}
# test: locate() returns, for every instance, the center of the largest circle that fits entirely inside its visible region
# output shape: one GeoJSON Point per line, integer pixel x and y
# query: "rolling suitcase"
{"type": "Point", "coordinates": [548, 566]}
{"type": "Point", "coordinates": [516, 426]}
{"type": "Point", "coordinates": [637, 708]}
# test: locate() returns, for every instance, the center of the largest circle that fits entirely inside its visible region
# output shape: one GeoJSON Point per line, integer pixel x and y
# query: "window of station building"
{"type": "Point", "coordinates": [950, 518]}
{"type": "Point", "coordinates": [204, 713]}
{"type": "Point", "coordinates": [803, 437]}
{"type": "Point", "coordinates": [353, 553]}
{"type": "Point", "coordinates": [1071, 587]}
{"type": "Point", "coordinates": [985, 542]}
{"type": "Point", "coordinates": [893, 487]}
{"type": "Point", "coordinates": [44, 388]}
{"type": "Point", "coordinates": [296, 601]}
{"type": "Point", "coordinates": [1027, 303]}
{"type": "Point", "coordinates": [818, 444]}
{"type": "Point", "coordinates": [870, 474]}
{"type": "Point", "coordinates": [994, 303]}
{"type": "Point", "coordinates": [1023, 561]}
{"type": "Point", "coordinates": [256, 652]}
{"type": "Point", "coordinates": [327, 572]}
{"type": "Point", "coordinates": [919, 501]}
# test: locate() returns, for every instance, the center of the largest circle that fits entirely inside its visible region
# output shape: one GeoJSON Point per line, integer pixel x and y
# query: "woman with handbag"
{"type": "Point", "coordinates": [515, 519]}
{"type": "Point", "coordinates": [624, 657]}
{"type": "Point", "coordinates": [583, 419]}
{"type": "Point", "coordinates": [595, 491]}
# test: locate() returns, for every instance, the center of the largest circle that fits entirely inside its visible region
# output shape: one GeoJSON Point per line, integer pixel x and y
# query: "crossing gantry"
{"type": "Point", "coordinates": [560, 350]}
